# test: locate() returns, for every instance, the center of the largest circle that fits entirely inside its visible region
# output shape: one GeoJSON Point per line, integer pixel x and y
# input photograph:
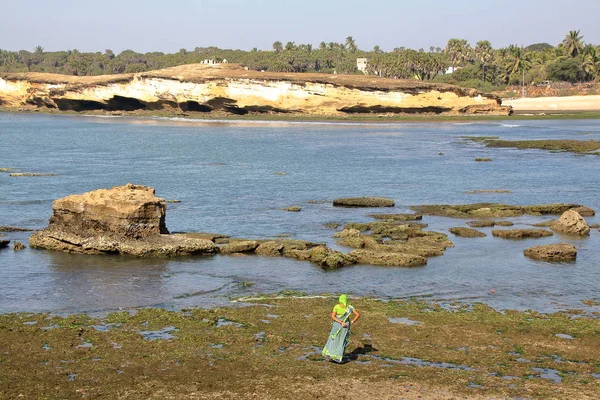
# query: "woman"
{"type": "Point", "coordinates": [339, 337]}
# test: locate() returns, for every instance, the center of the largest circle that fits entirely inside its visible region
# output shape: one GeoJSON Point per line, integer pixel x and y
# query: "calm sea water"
{"type": "Point", "coordinates": [233, 178]}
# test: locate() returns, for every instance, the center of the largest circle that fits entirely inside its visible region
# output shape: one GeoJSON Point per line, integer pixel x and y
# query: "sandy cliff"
{"type": "Point", "coordinates": [231, 89]}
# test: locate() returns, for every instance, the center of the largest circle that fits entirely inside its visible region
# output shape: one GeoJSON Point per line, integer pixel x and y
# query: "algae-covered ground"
{"type": "Point", "coordinates": [271, 349]}
{"type": "Point", "coordinates": [556, 145]}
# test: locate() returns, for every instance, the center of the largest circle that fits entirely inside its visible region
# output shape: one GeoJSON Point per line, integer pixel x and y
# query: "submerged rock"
{"type": "Point", "coordinates": [521, 233]}
{"type": "Point", "coordinates": [571, 223]}
{"type": "Point", "coordinates": [483, 159]}
{"type": "Point", "coordinates": [552, 252]}
{"type": "Point", "coordinates": [466, 232]}
{"type": "Point", "coordinates": [293, 209]}
{"type": "Point", "coordinates": [126, 219]}
{"type": "Point", "coordinates": [490, 210]}
{"type": "Point", "coordinates": [364, 202]}
{"type": "Point", "coordinates": [30, 174]}
{"type": "Point", "coordinates": [397, 217]}
{"type": "Point", "coordinates": [18, 246]}
{"type": "Point", "coordinates": [4, 243]}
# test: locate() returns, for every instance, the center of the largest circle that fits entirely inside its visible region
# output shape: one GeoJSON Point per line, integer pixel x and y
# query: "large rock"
{"type": "Point", "coordinates": [364, 202]}
{"type": "Point", "coordinates": [521, 233]}
{"type": "Point", "coordinates": [466, 232]}
{"type": "Point", "coordinates": [387, 259]}
{"type": "Point", "coordinates": [571, 223]}
{"type": "Point", "coordinates": [126, 219]}
{"type": "Point", "coordinates": [552, 252]}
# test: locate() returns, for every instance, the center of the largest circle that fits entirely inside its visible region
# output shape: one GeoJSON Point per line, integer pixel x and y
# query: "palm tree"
{"type": "Point", "coordinates": [277, 46]}
{"type": "Point", "coordinates": [458, 50]}
{"type": "Point", "coordinates": [573, 43]}
{"type": "Point", "coordinates": [351, 44]}
{"type": "Point", "coordinates": [322, 46]}
{"type": "Point", "coordinates": [590, 62]}
{"type": "Point", "coordinates": [484, 54]}
{"type": "Point", "coordinates": [517, 61]}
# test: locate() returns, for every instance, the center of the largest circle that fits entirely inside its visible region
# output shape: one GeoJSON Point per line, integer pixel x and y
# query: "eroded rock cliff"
{"type": "Point", "coordinates": [230, 89]}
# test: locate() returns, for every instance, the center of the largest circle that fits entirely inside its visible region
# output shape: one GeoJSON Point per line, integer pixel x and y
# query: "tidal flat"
{"type": "Point", "coordinates": [269, 347]}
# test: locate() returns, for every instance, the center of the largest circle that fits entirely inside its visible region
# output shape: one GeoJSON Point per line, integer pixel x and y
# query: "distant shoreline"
{"type": "Point", "coordinates": [187, 118]}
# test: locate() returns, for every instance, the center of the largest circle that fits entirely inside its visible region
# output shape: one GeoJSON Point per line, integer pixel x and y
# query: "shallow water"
{"type": "Point", "coordinates": [233, 178]}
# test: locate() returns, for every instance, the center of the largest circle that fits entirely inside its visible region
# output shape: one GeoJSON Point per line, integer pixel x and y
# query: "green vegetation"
{"type": "Point", "coordinates": [574, 146]}
{"type": "Point", "coordinates": [272, 350]}
{"type": "Point", "coordinates": [481, 67]}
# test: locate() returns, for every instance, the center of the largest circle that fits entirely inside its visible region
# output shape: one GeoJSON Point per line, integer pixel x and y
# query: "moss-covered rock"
{"type": "Point", "coordinates": [371, 257]}
{"type": "Point", "coordinates": [397, 217]}
{"type": "Point", "coordinates": [490, 210]}
{"type": "Point", "coordinates": [521, 233]}
{"type": "Point", "coordinates": [246, 246]}
{"type": "Point", "coordinates": [466, 232]}
{"type": "Point", "coordinates": [364, 202]}
{"type": "Point", "coordinates": [552, 252]}
{"type": "Point", "coordinates": [271, 248]}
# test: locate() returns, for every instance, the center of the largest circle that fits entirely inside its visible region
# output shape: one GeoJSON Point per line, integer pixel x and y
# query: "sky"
{"type": "Point", "coordinates": [168, 26]}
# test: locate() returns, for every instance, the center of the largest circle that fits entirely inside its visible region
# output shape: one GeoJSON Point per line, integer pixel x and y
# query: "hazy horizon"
{"type": "Point", "coordinates": [146, 26]}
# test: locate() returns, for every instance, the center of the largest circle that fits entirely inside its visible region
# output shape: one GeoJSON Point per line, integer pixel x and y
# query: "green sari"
{"type": "Point", "coordinates": [339, 338]}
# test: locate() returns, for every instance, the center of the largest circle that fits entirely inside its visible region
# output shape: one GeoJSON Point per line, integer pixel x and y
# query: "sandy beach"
{"type": "Point", "coordinates": [568, 103]}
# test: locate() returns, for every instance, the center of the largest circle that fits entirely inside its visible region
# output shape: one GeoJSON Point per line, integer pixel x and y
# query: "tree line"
{"type": "Point", "coordinates": [480, 66]}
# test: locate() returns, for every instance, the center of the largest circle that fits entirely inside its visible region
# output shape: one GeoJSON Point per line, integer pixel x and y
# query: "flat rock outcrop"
{"type": "Point", "coordinates": [491, 210]}
{"type": "Point", "coordinates": [585, 211]}
{"type": "Point", "coordinates": [126, 219]}
{"type": "Point", "coordinates": [521, 233]}
{"type": "Point", "coordinates": [552, 252]}
{"type": "Point", "coordinates": [387, 259]}
{"type": "Point", "coordinates": [397, 217]}
{"type": "Point", "coordinates": [571, 223]}
{"type": "Point", "coordinates": [364, 202]}
{"type": "Point", "coordinates": [466, 232]}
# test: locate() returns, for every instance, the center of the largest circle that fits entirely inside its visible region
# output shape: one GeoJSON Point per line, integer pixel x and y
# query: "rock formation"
{"type": "Point", "coordinates": [230, 89]}
{"type": "Point", "coordinates": [4, 243]}
{"type": "Point", "coordinates": [521, 233]}
{"type": "Point", "coordinates": [127, 219]}
{"type": "Point", "coordinates": [552, 252]}
{"type": "Point", "coordinates": [490, 210]}
{"type": "Point", "coordinates": [571, 223]}
{"type": "Point", "coordinates": [466, 232]}
{"type": "Point", "coordinates": [364, 202]}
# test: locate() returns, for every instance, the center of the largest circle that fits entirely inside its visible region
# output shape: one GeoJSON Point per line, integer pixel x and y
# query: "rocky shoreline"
{"type": "Point", "coordinates": [130, 220]}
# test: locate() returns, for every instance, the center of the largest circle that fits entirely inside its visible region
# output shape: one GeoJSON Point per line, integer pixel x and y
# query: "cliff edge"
{"type": "Point", "coordinates": [230, 89]}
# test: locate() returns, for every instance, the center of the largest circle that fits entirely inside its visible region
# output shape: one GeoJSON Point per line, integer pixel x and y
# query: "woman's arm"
{"type": "Point", "coordinates": [336, 319]}
{"type": "Point", "coordinates": [356, 316]}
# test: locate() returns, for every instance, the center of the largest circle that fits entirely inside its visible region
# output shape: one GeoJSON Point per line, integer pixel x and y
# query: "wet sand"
{"type": "Point", "coordinates": [567, 103]}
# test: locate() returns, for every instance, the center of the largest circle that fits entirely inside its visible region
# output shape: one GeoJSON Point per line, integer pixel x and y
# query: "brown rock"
{"type": "Point", "coordinates": [585, 211]}
{"type": "Point", "coordinates": [504, 223]}
{"type": "Point", "coordinates": [364, 202]}
{"type": "Point", "coordinates": [347, 233]}
{"type": "Point", "coordinates": [544, 224]}
{"type": "Point", "coordinates": [131, 211]}
{"type": "Point", "coordinates": [14, 229]}
{"type": "Point", "coordinates": [127, 219]}
{"type": "Point", "coordinates": [354, 242]}
{"type": "Point", "coordinates": [552, 252]}
{"type": "Point", "coordinates": [483, 159]}
{"type": "Point", "coordinates": [18, 246]}
{"type": "Point", "coordinates": [270, 249]}
{"type": "Point", "coordinates": [481, 223]}
{"type": "Point", "coordinates": [244, 246]}
{"type": "Point", "coordinates": [397, 217]}
{"type": "Point", "coordinates": [571, 223]}
{"type": "Point", "coordinates": [324, 256]}
{"type": "Point", "coordinates": [387, 259]}
{"type": "Point", "coordinates": [521, 233]}
{"type": "Point", "coordinates": [293, 209]}
{"type": "Point", "coordinates": [466, 232]}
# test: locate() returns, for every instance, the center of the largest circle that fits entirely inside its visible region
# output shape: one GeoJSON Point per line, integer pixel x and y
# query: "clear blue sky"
{"type": "Point", "coordinates": [168, 26]}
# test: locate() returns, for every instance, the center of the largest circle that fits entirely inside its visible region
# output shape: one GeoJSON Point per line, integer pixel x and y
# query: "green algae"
{"type": "Point", "coordinates": [255, 357]}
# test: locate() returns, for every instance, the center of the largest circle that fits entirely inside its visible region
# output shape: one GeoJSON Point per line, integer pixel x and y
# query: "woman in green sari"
{"type": "Point", "coordinates": [339, 337]}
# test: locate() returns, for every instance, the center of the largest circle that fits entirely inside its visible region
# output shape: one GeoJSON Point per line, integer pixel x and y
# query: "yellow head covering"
{"type": "Point", "coordinates": [343, 300]}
